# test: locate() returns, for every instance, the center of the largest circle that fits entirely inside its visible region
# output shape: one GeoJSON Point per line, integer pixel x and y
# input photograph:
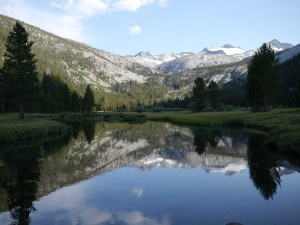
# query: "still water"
{"type": "Point", "coordinates": [150, 173]}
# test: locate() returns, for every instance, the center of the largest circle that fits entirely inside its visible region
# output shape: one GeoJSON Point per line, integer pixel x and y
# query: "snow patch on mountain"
{"type": "Point", "coordinates": [278, 46]}
{"type": "Point", "coordinates": [152, 61]}
{"type": "Point", "coordinates": [226, 49]}
{"type": "Point", "coordinates": [288, 54]}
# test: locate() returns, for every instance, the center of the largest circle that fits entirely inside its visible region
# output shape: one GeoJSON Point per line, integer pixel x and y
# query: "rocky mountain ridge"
{"type": "Point", "coordinates": [178, 62]}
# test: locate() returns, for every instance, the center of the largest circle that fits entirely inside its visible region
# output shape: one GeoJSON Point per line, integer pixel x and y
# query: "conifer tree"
{"type": "Point", "coordinates": [1, 91]}
{"type": "Point", "coordinates": [199, 94]}
{"type": "Point", "coordinates": [19, 68]}
{"type": "Point", "coordinates": [213, 94]}
{"type": "Point", "coordinates": [261, 80]}
{"type": "Point", "coordinates": [88, 100]}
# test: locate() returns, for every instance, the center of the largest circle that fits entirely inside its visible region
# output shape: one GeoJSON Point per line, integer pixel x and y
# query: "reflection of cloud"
{"type": "Point", "coordinates": [137, 218]}
{"type": "Point", "coordinates": [71, 206]}
{"type": "Point", "coordinates": [93, 216]}
{"type": "Point", "coordinates": [138, 192]}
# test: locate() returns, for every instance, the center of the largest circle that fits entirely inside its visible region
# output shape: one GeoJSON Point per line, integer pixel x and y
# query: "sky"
{"type": "Point", "coordinates": [126, 27]}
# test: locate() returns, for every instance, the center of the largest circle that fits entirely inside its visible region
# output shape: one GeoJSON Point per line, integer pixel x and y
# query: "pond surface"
{"type": "Point", "coordinates": [150, 173]}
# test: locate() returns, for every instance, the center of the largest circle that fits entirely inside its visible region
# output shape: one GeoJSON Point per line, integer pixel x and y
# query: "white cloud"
{"type": "Point", "coordinates": [135, 30]}
{"type": "Point", "coordinates": [138, 192]}
{"type": "Point", "coordinates": [130, 5]}
{"type": "Point", "coordinates": [82, 8]}
{"type": "Point", "coordinates": [68, 20]}
{"type": "Point", "coordinates": [163, 2]}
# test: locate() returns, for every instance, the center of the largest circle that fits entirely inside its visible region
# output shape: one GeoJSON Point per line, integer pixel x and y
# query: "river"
{"type": "Point", "coordinates": [150, 173]}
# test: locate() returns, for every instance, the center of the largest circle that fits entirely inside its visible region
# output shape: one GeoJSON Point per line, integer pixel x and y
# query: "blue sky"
{"type": "Point", "coordinates": [126, 27]}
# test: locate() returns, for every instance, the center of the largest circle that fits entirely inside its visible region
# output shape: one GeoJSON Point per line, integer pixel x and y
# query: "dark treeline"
{"type": "Point", "coordinates": [288, 75]}
{"type": "Point", "coordinates": [51, 90]}
{"type": "Point", "coordinates": [53, 96]}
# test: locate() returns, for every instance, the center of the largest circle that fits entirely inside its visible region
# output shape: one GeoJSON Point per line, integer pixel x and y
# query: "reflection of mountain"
{"type": "Point", "coordinates": [118, 145]}
{"type": "Point", "coordinates": [94, 149]}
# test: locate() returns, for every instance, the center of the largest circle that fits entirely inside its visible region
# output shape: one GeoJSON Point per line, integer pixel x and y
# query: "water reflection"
{"type": "Point", "coordinates": [29, 173]}
{"type": "Point", "coordinates": [89, 130]}
{"type": "Point", "coordinates": [19, 178]}
{"type": "Point", "coordinates": [203, 136]}
{"type": "Point", "coordinates": [263, 167]}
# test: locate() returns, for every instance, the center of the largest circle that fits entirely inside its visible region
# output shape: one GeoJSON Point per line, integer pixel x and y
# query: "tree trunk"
{"type": "Point", "coordinates": [266, 103]}
{"type": "Point", "coordinates": [21, 113]}
{"type": "Point", "coordinates": [2, 107]}
{"type": "Point", "coordinates": [255, 107]}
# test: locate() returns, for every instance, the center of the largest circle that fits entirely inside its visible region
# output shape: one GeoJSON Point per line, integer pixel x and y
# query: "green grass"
{"type": "Point", "coordinates": [33, 126]}
{"type": "Point", "coordinates": [108, 117]}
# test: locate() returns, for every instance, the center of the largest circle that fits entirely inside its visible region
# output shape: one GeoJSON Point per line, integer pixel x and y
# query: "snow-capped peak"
{"type": "Point", "coordinates": [143, 54]}
{"type": "Point", "coordinates": [228, 46]}
{"type": "Point", "coordinates": [227, 49]}
{"type": "Point", "coordinates": [278, 46]}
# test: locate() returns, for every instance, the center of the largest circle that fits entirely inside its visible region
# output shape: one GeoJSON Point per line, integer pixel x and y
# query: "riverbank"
{"type": "Point", "coordinates": [33, 126]}
{"type": "Point", "coordinates": [282, 126]}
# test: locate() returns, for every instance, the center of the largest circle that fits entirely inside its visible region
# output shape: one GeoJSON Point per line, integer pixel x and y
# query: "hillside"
{"type": "Point", "coordinates": [76, 63]}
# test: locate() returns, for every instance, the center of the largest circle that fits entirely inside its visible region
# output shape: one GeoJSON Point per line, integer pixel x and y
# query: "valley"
{"type": "Point", "coordinates": [156, 78]}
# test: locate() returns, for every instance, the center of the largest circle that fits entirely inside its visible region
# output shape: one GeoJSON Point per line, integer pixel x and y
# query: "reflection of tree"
{"type": "Point", "coordinates": [204, 136]}
{"type": "Point", "coordinates": [262, 167]}
{"type": "Point", "coordinates": [89, 130]}
{"type": "Point", "coordinates": [214, 137]}
{"type": "Point", "coordinates": [55, 145]}
{"type": "Point", "coordinates": [20, 182]}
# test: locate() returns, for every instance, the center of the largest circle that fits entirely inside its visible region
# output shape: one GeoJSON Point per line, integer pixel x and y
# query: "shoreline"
{"type": "Point", "coordinates": [282, 126]}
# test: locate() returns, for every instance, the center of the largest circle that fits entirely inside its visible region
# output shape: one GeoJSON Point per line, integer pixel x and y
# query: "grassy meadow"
{"type": "Point", "coordinates": [33, 126]}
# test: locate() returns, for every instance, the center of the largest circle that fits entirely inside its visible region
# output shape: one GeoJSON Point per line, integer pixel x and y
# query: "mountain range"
{"type": "Point", "coordinates": [79, 64]}
{"type": "Point", "coordinates": [173, 63]}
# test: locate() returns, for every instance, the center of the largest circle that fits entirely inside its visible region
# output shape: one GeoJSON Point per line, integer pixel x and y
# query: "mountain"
{"type": "Point", "coordinates": [227, 49]}
{"type": "Point", "coordinates": [196, 60]}
{"type": "Point", "coordinates": [153, 61]}
{"type": "Point", "coordinates": [78, 64]}
{"type": "Point", "coordinates": [278, 46]}
{"type": "Point", "coordinates": [289, 53]}
{"type": "Point", "coordinates": [177, 63]}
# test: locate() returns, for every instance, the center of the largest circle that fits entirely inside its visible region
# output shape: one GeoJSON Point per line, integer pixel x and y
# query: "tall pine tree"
{"type": "Point", "coordinates": [1, 91]}
{"type": "Point", "coordinates": [88, 100]}
{"type": "Point", "coordinates": [19, 70]}
{"type": "Point", "coordinates": [199, 94]}
{"type": "Point", "coordinates": [261, 80]}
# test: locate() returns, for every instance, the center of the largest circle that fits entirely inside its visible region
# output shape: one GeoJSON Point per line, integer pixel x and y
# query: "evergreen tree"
{"type": "Point", "coordinates": [261, 80]}
{"type": "Point", "coordinates": [289, 82]}
{"type": "Point", "coordinates": [199, 94]}
{"type": "Point", "coordinates": [88, 100]}
{"type": "Point", "coordinates": [213, 94]}
{"type": "Point", "coordinates": [20, 75]}
{"type": "Point", "coordinates": [1, 91]}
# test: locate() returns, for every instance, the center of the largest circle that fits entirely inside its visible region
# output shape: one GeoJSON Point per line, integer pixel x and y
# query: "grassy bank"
{"type": "Point", "coordinates": [33, 126]}
{"type": "Point", "coordinates": [282, 125]}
